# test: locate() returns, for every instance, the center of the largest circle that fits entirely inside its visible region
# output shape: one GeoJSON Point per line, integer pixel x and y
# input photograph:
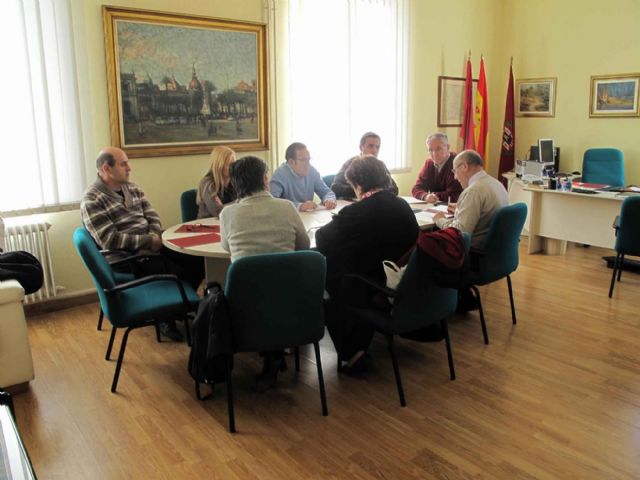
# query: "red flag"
{"type": "Point", "coordinates": [482, 116]}
{"type": "Point", "coordinates": [507, 152]}
{"type": "Point", "coordinates": [466, 131]}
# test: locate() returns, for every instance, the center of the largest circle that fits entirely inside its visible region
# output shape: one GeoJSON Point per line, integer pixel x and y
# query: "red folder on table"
{"type": "Point", "coordinates": [194, 240]}
{"type": "Point", "coordinates": [198, 228]}
{"type": "Point", "coordinates": [590, 186]}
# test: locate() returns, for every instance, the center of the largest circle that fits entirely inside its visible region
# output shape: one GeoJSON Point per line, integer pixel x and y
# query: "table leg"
{"type": "Point", "coordinates": [216, 269]}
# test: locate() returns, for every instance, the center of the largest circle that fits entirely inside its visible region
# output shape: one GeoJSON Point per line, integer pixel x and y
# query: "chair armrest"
{"type": "Point", "coordinates": [149, 279]}
{"type": "Point", "coordinates": [127, 259]}
{"type": "Point", "coordinates": [389, 292]}
{"type": "Point", "coordinates": [616, 223]}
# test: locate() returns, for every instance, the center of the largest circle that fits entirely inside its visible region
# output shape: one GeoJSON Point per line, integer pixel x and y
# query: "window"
{"type": "Point", "coordinates": [42, 144]}
{"type": "Point", "coordinates": [346, 74]}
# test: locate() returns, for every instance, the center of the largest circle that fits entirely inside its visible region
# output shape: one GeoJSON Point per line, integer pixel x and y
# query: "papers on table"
{"type": "Point", "coordinates": [411, 200]}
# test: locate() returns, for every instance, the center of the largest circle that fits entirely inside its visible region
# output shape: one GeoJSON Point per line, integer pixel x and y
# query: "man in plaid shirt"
{"type": "Point", "coordinates": [120, 219]}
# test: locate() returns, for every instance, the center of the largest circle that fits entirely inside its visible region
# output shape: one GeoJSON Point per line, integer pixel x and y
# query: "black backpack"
{"type": "Point", "coordinates": [211, 347]}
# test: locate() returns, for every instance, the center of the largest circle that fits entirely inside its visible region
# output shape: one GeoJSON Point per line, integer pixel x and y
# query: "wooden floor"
{"type": "Point", "coordinates": [556, 396]}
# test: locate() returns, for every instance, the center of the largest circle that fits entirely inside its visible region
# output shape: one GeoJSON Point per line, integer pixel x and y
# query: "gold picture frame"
{"type": "Point", "coordinates": [181, 84]}
{"type": "Point", "coordinates": [536, 97]}
{"type": "Point", "coordinates": [614, 95]}
{"type": "Point", "coordinates": [451, 100]}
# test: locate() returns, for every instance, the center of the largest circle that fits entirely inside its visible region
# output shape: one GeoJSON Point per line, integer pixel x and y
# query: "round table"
{"type": "Point", "coordinates": [217, 259]}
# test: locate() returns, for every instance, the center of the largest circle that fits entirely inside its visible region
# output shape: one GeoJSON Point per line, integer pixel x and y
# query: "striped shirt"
{"type": "Point", "coordinates": [121, 220]}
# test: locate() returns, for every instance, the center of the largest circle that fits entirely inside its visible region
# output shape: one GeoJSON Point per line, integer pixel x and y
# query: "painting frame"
{"type": "Point", "coordinates": [540, 92]}
{"type": "Point", "coordinates": [600, 103]}
{"type": "Point", "coordinates": [159, 115]}
{"type": "Point", "coordinates": [451, 100]}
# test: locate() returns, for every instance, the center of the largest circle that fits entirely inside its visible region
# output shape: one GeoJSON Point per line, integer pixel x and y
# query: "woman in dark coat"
{"type": "Point", "coordinates": [379, 226]}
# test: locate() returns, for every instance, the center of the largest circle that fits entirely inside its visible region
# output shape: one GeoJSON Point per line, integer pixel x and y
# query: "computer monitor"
{"type": "Point", "coordinates": [545, 152]}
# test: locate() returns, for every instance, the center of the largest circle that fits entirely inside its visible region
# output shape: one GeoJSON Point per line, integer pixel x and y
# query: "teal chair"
{"type": "Point", "coordinates": [497, 257]}
{"type": "Point", "coordinates": [418, 303]}
{"type": "Point", "coordinates": [269, 313]}
{"type": "Point", "coordinates": [603, 165]}
{"type": "Point", "coordinates": [138, 303]}
{"type": "Point", "coordinates": [627, 235]}
{"type": "Point", "coordinates": [328, 179]}
{"type": "Point", "coordinates": [188, 205]}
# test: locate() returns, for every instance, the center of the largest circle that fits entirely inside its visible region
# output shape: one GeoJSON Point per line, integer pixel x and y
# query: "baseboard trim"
{"type": "Point", "coordinates": [16, 389]}
{"type": "Point", "coordinates": [61, 302]}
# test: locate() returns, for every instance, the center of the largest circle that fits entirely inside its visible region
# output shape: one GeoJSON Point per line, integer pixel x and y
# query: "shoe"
{"type": "Point", "coordinates": [466, 301]}
{"type": "Point", "coordinates": [269, 375]}
{"type": "Point", "coordinates": [357, 367]}
{"type": "Point", "coordinates": [169, 330]}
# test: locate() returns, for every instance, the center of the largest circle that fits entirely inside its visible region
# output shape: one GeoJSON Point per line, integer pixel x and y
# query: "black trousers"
{"type": "Point", "coordinates": [188, 268]}
{"type": "Point", "coordinates": [349, 334]}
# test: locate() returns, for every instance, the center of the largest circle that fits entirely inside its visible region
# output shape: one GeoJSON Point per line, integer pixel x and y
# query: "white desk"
{"type": "Point", "coordinates": [217, 259]}
{"type": "Point", "coordinates": [557, 217]}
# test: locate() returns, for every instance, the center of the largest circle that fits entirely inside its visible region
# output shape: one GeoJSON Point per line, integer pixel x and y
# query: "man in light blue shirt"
{"type": "Point", "coordinates": [297, 180]}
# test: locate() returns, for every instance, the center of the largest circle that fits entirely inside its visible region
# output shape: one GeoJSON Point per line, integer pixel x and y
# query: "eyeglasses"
{"type": "Point", "coordinates": [437, 150]}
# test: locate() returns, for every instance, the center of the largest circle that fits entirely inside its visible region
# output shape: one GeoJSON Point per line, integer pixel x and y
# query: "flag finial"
{"type": "Point", "coordinates": [511, 62]}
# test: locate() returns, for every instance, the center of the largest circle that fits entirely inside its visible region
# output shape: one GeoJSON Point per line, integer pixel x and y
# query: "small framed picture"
{"type": "Point", "coordinates": [536, 97]}
{"type": "Point", "coordinates": [614, 95]}
{"type": "Point", "coordinates": [451, 100]}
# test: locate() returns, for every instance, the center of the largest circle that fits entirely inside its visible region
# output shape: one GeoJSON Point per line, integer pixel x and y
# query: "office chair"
{"type": "Point", "coordinates": [603, 165]}
{"type": "Point", "coordinates": [269, 314]}
{"type": "Point", "coordinates": [139, 303]}
{"type": "Point", "coordinates": [497, 257]}
{"type": "Point", "coordinates": [627, 227]}
{"type": "Point", "coordinates": [188, 205]}
{"type": "Point", "coordinates": [417, 303]}
{"type": "Point", "coordinates": [328, 179]}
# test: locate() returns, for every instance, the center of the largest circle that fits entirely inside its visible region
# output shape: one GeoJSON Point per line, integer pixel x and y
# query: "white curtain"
{"type": "Point", "coordinates": [42, 147]}
{"type": "Point", "coordinates": [346, 74]}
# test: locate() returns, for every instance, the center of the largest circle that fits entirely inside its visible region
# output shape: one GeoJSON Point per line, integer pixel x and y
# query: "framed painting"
{"type": "Point", "coordinates": [451, 100]}
{"type": "Point", "coordinates": [614, 96]}
{"type": "Point", "coordinates": [536, 97]}
{"type": "Point", "coordinates": [182, 84]}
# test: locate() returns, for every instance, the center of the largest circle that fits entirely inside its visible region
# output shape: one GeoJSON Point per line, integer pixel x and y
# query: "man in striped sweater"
{"type": "Point", "coordinates": [120, 219]}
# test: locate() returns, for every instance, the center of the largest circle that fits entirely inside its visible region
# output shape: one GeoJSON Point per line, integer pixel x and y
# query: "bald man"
{"type": "Point", "coordinates": [120, 219]}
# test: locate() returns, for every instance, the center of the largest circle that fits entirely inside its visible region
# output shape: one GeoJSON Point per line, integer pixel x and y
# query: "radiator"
{"type": "Point", "coordinates": [34, 238]}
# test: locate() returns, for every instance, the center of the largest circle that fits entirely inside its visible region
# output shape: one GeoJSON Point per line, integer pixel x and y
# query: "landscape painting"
{"type": "Point", "coordinates": [181, 85]}
{"type": "Point", "coordinates": [536, 97]}
{"type": "Point", "coordinates": [614, 96]}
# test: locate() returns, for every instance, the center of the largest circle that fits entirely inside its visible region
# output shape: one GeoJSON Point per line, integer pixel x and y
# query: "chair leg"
{"type": "Point", "coordinates": [110, 346]}
{"type": "Point", "coordinates": [296, 353]}
{"type": "Point", "coordinates": [396, 369]}
{"type": "Point", "coordinates": [187, 330]}
{"type": "Point", "coordinates": [100, 317]}
{"type": "Point", "coordinates": [613, 275]}
{"type": "Point", "coordinates": [485, 334]}
{"type": "Point", "coordinates": [123, 346]}
{"type": "Point", "coordinates": [447, 342]}
{"type": "Point", "coordinates": [157, 327]}
{"type": "Point", "coordinates": [513, 307]}
{"type": "Point", "coordinates": [232, 416]}
{"type": "Point", "coordinates": [323, 395]}
{"type": "Point", "coordinates": [620, 266]}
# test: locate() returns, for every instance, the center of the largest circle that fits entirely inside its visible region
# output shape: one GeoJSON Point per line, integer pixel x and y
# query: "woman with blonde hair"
{"type": "Point", "coordinates": [215, 190]}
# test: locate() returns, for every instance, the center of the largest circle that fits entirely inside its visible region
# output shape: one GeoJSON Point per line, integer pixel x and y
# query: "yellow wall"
{"type": "Point", "coordinates": [572, 40]}
{"type": "Point", "coordinates": [567, 39]}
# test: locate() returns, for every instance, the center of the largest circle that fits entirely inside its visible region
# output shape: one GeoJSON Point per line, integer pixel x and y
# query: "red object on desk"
{"type": "Point", "coordinates": [194, 240]}
{"type": "Point", "coordinates": [594, 186]}
{"type": "Point", "coordinates": [198, 228]}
